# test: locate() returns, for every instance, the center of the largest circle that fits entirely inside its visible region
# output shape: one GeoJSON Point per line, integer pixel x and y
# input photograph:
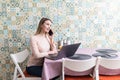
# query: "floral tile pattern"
{"type": "Point", "coordinates": [94, 23]}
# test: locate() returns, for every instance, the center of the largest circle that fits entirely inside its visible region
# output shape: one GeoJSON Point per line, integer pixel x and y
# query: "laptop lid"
{"type": "Point", "coordinates": [69, 50]}
{"type": "Point", "coordinates": [66, 51]}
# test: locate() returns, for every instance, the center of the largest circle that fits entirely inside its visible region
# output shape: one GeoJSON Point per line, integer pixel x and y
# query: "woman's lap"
{"type": "Point", "coordinates": [35, 70]}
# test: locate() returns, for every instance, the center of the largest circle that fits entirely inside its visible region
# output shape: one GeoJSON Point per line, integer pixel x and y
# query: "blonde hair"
{"type": "Point", "coordinates": [40, 24]}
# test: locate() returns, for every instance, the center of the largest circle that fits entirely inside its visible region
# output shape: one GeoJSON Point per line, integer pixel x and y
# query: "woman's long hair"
{"type": "Point", "coordinates": [40, 24]}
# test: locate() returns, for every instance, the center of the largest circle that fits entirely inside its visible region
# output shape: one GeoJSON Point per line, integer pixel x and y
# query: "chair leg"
{"type": "Point", "coordinates": [63, 76]}
{"type": "Point", "coordinates": [96, 75]}
{"type": "Point", "coordinates": [15, 74]}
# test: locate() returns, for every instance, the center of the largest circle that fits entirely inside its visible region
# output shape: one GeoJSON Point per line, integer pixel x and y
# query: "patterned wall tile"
{"type": "Point", "coordinates": [95, 23]}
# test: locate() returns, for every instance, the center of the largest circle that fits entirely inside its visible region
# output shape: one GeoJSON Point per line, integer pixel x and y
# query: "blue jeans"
{"type": "Point", "coordinates": [35, 70]}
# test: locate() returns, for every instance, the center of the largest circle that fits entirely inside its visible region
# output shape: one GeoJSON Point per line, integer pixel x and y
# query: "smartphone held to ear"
{"type": "Point", "coordinates": [50, 32]}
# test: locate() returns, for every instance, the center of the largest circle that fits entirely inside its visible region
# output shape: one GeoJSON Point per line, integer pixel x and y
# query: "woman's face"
{"type": "Point", "coordinates": [46, 26]}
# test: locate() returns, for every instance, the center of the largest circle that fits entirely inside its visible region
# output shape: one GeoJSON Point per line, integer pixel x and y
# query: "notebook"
{"type": "Point", "coordinates": [66, 51]}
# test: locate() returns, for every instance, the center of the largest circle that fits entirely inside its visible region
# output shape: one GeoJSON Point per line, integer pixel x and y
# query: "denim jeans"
{"type": "Point", "coordinates": [35, 70]}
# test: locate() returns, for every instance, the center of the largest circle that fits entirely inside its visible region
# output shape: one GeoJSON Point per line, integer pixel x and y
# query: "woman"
{"type": "Point", "coordinates": [42, 45]}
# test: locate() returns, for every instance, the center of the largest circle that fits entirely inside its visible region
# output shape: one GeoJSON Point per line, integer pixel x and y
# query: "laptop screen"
{"type": "Point", "coordinates": [69, 50]}
{"type": "Point", "coordinates": [66, 51]}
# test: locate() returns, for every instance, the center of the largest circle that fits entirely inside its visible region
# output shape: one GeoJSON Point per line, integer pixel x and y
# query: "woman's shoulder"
{"type": "Point", "coordinates": [34, 37]}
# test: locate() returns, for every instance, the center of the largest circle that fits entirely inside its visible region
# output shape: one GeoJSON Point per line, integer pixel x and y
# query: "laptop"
{"type": "Point", "coordinates": [66, 51]}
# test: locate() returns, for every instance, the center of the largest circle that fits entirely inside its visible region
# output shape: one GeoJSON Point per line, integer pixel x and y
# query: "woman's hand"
{"type": "Point", "coordinates": [53, 52]}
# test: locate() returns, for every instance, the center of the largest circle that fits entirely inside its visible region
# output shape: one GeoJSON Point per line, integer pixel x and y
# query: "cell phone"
{"type": "Point", "coordinates": [50, 32]}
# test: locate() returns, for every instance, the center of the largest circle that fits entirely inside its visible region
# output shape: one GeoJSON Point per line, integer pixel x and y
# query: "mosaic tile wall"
{"type": "Point", "coordinates": [95, 23]}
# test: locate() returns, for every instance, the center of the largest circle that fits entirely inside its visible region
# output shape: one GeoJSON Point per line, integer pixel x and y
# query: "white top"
{"type": "Point", "coordinates": [40, 45]}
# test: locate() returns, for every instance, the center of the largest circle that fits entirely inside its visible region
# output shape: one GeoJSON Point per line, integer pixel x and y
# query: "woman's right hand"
{"type": "Point", "coordinates": [53, 52]}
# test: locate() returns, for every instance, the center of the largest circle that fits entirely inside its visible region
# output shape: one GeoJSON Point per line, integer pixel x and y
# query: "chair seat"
{"type": "Point", "coordinates": [78, 78]}
{"type": "Point", "coordinates": [106, 77]}
{"type": "Point", "coordinates": [27, 74]}
{"type": "Point", "coordinates": [30, 78]}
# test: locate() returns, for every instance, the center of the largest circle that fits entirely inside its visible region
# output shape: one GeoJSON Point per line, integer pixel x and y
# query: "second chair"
{"type": "Point", "coordinates": [78, 66]}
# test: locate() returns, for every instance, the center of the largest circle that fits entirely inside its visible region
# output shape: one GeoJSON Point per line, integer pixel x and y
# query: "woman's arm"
{"type": "Point", "coordinates": [52, 45]}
